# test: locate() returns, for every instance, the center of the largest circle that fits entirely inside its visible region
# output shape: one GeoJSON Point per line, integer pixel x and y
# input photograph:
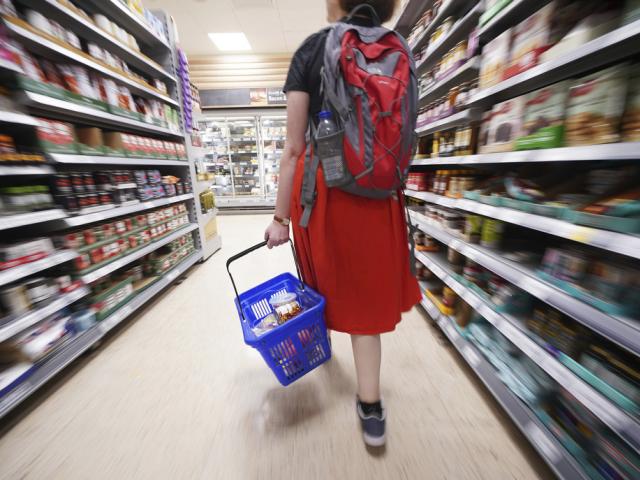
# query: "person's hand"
{"type": "Point", "coordinates": [276, 234]}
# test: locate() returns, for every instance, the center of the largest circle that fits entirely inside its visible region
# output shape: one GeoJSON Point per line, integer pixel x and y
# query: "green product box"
{"type": "Point", "coordinates": [87, 150]}
{"type": "Point", "coordinates": [492, 8]}
{"type": "Point", "coordinates": [86, 101]}
{"type": "Point", "coordinates": [543, 120]}
{"type": "Point", "coordinates": [35, 86]}
{"type": "Point", "coordinates": [158, 122]}
{"type": "Point", "coordinates": [123, 112]}
{"type": "Point", "coordinates": [115, 152]}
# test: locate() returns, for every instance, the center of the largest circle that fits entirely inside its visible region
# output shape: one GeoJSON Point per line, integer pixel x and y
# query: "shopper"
{"type": "Point", "coordinates": [354, 250]}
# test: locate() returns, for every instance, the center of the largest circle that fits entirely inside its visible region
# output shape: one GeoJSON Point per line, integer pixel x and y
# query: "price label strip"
{"type": "Point", "coordinates": [540, 440]}
{"type": "Point", "coordinates": [470, 354]}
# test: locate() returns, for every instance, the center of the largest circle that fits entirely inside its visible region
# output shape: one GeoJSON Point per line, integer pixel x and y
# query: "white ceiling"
{"type": "Point", "coordinates": [272, 26]}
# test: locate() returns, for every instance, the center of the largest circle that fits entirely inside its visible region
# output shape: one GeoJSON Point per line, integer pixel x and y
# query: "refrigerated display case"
{"type": "Point", "coordinates": [243, 155]}
{"type": "Point", "coordinates": [273, 133]}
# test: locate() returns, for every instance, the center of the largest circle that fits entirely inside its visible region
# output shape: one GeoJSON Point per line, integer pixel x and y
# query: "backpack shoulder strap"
{"type": "Point", "coordinates": [309, 179]}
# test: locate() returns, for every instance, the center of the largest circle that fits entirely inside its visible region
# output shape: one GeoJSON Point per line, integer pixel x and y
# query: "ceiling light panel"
{"type": "Point", "coordinates": [231, 41]}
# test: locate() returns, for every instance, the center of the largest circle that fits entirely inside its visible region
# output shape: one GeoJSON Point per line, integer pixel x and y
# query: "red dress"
{"type": "Point", "coordinates": [355, 253]}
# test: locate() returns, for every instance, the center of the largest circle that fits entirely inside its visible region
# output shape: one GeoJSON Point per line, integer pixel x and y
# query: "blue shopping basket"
{"type": "Point", "coordinates": [296, 347]}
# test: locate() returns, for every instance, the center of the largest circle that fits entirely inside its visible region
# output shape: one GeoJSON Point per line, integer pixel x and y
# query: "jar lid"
{"type": "Point", "coordinates": [282, 298]}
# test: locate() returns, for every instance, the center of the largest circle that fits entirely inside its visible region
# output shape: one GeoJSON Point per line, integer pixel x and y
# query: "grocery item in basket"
{"type": "Point", "coordinates": [544, 118]}
{"type": "Point", "coordinates": [495, 58]}
{"type": "Point", "coordinates": [596, 105]}
{"type": "Point", "coordinates": [265, 325]}
{"type": "Point", "coordinates": [286, 306]}
{"type": "Point", "coordinates": [505, 126]}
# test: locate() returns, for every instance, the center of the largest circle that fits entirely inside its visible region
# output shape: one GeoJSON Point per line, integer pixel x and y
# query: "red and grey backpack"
{"type": "Point", "coordinates": [369, 84]}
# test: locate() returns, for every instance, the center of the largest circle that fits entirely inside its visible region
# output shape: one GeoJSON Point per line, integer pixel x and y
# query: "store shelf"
{"type": "Point", "coordinates": [410, 15]}
{"type": "Point", "coordinates": [608, 152]}
{"type": "Point", "coordinates": [75, 347]}
{"type": "Point", "coordinates": [459, 32]}
{"type": "Point", "coordinates": [141, 299]}
{"type": "Point", "coordinates": [624, 332]}
{"type": "Point", "coordinates": [612, 241]}
{"type": "Point", "coordinates": [616, 45]}
{"type": "Point", "coordinates": [30, 318]}
{"type": "Point", "coordinates": [553, 453]}
{"type": "Point", "coordinates": [21, 271]}
{"type": "Point", "coordinates": [70, 159]}
{"type": "Point", "coordinates": [74, 112]}
{"type": "Point", "coordinates": [621, 423]}
{"type": "Point", "coordinates": [22, 219]}
{"type": "Point", "coordinates": [114, 212]}
{"type": "Point", "coordinates": [132, 257]}
{"type": "Point", "coordinates": [445, 11]}
{"type": "Point", "coordinates": [44, 46]}
{"type": "Point", "coordinates": [8, 66]}
{"type": "Point", "coordinates": [87, 29]}
{"type": "Point", "coordinates": [465, 73]}
{"type": "Point", "coordinates": [13, 169]}
{"type": "Point", "coordinates": [135, 24]}
{"type": "Point", "coordinates": [509, 16]}
{"type": "Point", "coordinates": [54, 364]}
{"type": "Point", "coordinates": [455, 120]}
{"type": "Point", "coordinates": [18, 118]}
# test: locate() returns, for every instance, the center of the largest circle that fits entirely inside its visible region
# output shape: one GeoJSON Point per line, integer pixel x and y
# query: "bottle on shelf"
{"type": "Point", "coordinates": [329, 144]}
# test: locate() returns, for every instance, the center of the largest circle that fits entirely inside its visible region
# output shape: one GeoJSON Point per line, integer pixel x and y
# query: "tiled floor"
{"type": "Point", "coordinates": [176, 394]}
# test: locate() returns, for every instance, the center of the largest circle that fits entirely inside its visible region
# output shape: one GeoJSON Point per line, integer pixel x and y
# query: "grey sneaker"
{"type": "Point", "coordinates": [373, 426]}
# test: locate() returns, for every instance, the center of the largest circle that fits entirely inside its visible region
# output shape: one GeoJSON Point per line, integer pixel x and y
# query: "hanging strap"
{"type": "Point", "coordinates": [365, 6]}
{"type": "Point", "coordinates": [309, 182]}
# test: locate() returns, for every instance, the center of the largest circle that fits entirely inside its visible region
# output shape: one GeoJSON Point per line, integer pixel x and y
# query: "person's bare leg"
{"type": "Point", "coordinates": [367, 353]}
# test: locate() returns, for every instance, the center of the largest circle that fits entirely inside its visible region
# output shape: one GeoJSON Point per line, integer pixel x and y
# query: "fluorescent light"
{"type": "Point", "coordinates": [230, 42]}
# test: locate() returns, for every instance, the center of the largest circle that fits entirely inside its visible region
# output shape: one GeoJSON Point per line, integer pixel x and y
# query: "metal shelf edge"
{"type": "Point", "coordinates": [549, 448]}
{"type": "Point", "coordinates": [132, 257]}
{"type": "Point", "coordinates": [106, 160]}
{"type": "Point", "coordinates": [617, 330]}
{"type": "Point", "coordinates": [21, 271]}
{"type": "Point", "coordinates": [20, 220]}
{"type": "Point", "coordinates": [615, 418]}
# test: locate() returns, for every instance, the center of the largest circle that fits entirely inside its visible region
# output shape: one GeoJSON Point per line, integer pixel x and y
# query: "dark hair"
{"type": "Point", "coordinates": [384, 8]}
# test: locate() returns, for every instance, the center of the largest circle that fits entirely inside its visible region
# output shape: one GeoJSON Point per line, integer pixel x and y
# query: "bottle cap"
{"type": "Point", "coordinates": [325, 114]}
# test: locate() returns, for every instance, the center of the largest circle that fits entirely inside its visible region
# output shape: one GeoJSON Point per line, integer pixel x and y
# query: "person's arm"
{"type": "Point", "coordinates": [297, 122]}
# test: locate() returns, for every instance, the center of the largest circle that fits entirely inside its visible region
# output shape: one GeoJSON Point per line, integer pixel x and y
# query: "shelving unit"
{"type": "Point", "coordinates": [410, 14]}
{"type": "Point", "coordinates": [556, 456]}
{"type": "Point", "coordinates": [444, 12]}
{"type": "Point", "coordinates": [619, 45]}
{"type": "Point", "coordinates": [156, 59]}
{"type": "Point", "coordinates": [611, 241]}
{"type": "Point", "coordinates": [611, 152]}
{"type": "Point", "coordinates": [75, 347]}
{"type": "Point", "coordinates": [624, 332]}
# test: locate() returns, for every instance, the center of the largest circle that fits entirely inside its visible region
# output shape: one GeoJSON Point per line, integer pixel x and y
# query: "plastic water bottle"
{"type": "Point", "coordinates": [329, 145]}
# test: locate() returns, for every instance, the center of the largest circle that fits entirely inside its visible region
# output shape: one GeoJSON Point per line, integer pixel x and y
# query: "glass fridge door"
{"type": "Point", "coordinates": [273, 133]}
{"type": "Point", "coordinates": [244, 155]}
{"type": "Point", "coordinates": [215, 140]}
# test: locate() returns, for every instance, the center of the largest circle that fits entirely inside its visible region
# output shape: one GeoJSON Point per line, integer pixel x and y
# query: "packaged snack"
{"type": "Point", "coordinates": [52, 75]}
{"type": "Point", "coordinates": [286, 306]}
{"type": "Point", "coordinates": [596, 105]}
{"type": "Point", "coordinates": [495, 58]}
{"type": "Point", "coordinates": [56, 137]}
{"type": "Point", "coordinates": [631, 119]}
{"type": "Point", "coordinates": [544, 118]}
{"type": "Point", "coordinates": [29, 64]}
{"type": "Point", "coordinates": [530, 39]}
{"type": "Point", "coordinates": [505, 126]}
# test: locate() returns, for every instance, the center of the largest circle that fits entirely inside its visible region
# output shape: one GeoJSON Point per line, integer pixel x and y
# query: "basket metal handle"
{"type": "Point", "coordinates": [252, 249]}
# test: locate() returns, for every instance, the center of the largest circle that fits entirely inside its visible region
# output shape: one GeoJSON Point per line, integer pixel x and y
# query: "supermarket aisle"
{"type": "Point", "coordinates": [176, 395]}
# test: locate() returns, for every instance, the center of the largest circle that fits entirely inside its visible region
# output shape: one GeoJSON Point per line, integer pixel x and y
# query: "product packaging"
{"type": "Point", "coordinates": [56, 137]}
{"type": "Point", "coordinates": [596, 105]}
{"type": "Point", "coordinates": [495, 58]}
{"type": "Point", "coordinates": [544, 118]}
{"type": "Point", "coordinates": [90, 141]}
{"type": "Point", "coordinates": [631, 120]}
{"type": "Point", "coordinates": [505, 126]}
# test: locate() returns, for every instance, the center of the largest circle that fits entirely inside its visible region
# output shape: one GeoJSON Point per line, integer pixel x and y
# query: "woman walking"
{"type": "Point", "coordinates": [354, 249]}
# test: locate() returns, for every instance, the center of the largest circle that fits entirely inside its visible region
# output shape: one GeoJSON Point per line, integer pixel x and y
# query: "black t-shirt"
{"type": "Point", "coordinates": [306, 64]}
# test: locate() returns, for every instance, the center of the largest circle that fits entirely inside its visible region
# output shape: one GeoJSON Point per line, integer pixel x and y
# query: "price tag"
{"type": "Point", "coordinates": [542, 442]}
{"type": "Point", "coordinates": [470, 354]}
{"type": "Point", "coordinates": [582, 234]}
